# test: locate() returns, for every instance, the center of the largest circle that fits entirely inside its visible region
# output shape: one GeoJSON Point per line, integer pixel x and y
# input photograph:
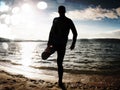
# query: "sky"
{"type": "Point", "coordinates": [32, 19]}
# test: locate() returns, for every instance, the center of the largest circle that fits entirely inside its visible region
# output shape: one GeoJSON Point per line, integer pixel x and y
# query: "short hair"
{"type": "Point", "coordinates": [61, 9]}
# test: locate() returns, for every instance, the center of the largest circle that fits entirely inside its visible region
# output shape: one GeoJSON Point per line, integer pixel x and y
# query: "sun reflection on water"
{"type": "Point", "coordinates": [27, 50]}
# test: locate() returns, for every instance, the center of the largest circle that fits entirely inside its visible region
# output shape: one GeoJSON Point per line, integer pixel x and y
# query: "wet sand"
{"type": "Point", "coordinates": [10, 81]}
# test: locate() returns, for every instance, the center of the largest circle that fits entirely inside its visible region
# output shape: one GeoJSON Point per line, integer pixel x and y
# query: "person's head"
{"type": "Point", "coordinates": [61, 10]}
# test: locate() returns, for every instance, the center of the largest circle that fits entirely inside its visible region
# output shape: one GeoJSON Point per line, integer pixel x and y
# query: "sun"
{"type": "Point", "coordinates": [26, 7]}
{"type": "Point", "coordinates": [42, 5]}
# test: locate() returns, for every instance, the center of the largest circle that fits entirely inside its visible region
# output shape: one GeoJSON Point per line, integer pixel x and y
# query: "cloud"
{"type": "Point", "coordinates": [60, 1]}
{"type": "Point", "coordinates": [118, 11]}
{"type": "Point", "coordinates": [111, 34]}
{"type": "Point", "coordinates": [97, 13]}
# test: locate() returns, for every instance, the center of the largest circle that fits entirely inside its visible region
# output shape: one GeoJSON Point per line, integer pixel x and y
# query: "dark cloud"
{"type": "Point", "coordinates": [103, 3]}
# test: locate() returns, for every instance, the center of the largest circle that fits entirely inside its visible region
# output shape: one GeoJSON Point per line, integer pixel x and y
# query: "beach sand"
{"type": "Point", "coordinates": [10, 81]}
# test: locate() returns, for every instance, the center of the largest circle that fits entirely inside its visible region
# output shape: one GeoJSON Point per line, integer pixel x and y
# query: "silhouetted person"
{"type": "Point", "coordinates": [58, 38]}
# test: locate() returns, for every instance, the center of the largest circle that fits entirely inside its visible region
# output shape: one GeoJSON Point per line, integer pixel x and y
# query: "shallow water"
{"type": "Point", "coordinates": [98, 56]}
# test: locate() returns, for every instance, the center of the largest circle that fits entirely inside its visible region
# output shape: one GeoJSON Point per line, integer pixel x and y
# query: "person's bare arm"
{"type": "Point", "coordinates": [74, 31]}
{"type": "Point", "coordinates": [51, 35]}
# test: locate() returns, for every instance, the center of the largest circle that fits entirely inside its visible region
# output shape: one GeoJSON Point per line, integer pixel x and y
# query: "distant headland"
{"type": "Point", "coordinates": [84, 39]}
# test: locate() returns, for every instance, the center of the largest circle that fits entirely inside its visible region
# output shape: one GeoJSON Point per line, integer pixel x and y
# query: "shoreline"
{"type": "Point", "coordinates": [10, 81]}
{"type": "Point", "coordinates": [70, 71]}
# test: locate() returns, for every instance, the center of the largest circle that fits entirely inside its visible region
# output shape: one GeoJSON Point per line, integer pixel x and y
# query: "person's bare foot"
{"type": "Point", "coordinates": [62, 86]}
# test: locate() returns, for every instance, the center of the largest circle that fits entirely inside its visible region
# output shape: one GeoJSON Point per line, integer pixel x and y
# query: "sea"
{"type": "Point", "coordinates": [90, 56]}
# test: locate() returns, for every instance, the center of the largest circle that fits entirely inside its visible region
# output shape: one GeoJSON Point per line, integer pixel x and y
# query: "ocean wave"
{"type": "Point", "coordinates": [91, 72]}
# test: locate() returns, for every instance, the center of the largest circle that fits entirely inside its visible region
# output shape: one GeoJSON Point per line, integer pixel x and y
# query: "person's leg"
{"type": "Point", "coordinates": [60, 57]}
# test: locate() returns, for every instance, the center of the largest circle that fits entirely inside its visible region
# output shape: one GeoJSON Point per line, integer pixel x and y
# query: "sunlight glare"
{"type": "Point", "coordinates": [5, 32]}
{"type": "Point", "coordinates": [15, 10]}
{"type": "Point", "coordinates": [42, 5]}
{"type": "Point", "coordinates": [15, 19]}
{"type": "Point", "coordinates": [7, 19]}
{"type": "Point", "coordinates": [26, 7]}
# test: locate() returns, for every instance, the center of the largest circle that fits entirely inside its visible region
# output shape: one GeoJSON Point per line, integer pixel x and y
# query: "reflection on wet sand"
{"type": "Point", "coordinates": [26, 71]}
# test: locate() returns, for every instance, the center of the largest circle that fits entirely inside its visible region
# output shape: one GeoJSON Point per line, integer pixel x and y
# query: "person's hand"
{"type": "Point", "coordinates": [72, 47]}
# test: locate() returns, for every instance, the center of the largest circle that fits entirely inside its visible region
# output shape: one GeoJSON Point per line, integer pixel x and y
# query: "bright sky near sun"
{"type": "Point", "coordinates": [32, 19]}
